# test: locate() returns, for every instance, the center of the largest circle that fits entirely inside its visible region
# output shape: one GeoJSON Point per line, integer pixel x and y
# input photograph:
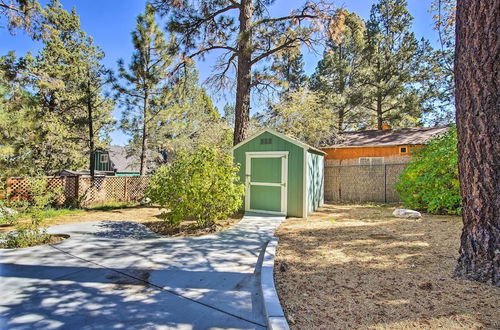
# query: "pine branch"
{"type": "Point", "coordinates": [286, 44]}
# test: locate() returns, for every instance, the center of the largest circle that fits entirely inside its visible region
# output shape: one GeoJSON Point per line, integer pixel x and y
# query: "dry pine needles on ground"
{"type": "Point", "coordinates": [351, 266]}
{"type": "Point", "coordinates": [148, 216]}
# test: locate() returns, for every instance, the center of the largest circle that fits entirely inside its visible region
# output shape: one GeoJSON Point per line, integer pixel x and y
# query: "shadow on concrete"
{"type": "Point", "coordinates": [97, 298]}
{"type": "Point", "coordinates": [118, 275]}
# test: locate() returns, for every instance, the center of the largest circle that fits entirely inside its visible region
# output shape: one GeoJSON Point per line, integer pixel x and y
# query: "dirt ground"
{"type": "Point", "coordinates": [148, 216]}
{"type": "Point", "coordinates": [351, 266]}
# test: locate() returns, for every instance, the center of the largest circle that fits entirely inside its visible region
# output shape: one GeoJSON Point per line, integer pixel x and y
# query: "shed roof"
{"type": "Point", "coordinates": [281, 135]}
{"type": "Point", "coordinates": [391, 137]}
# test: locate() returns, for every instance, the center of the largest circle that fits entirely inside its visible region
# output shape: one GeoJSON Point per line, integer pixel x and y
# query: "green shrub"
{"type": "Point", "coordinates": [31, 233]}
{"type": "Point", "coordinates": [40, 195]}
{"type": "Point", "coordinates": [200, 186]}
{"type": "Point", "coordinates": [430, 182]}
{"type": "Point", "coordinates": [7, 218]}
{"type": "Point", "coordinates": [25, 235]}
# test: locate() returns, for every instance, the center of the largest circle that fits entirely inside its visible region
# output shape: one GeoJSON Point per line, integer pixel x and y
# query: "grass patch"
{"type": "Point", "coordinates": [415, 247]}
{"type": "Point", "coordinates": [112, 206]}
{"type": "Point", "coordinates": [51, 213]}
{"type": "Point", "coordinates": [146, 215]}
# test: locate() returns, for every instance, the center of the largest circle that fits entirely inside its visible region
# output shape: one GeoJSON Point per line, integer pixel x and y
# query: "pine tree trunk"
{"type": "Point", "coordinates": [90, 119]}
{"type": "Point", "coordinates": [477, 98]}
{"type": "Point", "coordinates": [243, 76]}
{"type": "Point", "coordinates": [341, 120]}
{"type": "Point", "coordinates": [144, 144]}
{"type": "Point", "coordinates": [380, 120]}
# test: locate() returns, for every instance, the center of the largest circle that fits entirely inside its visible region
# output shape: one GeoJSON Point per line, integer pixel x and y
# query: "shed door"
{"type": "Point", "coordinates": [266, 182]}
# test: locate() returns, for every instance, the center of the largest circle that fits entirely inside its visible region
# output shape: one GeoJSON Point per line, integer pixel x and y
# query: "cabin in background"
{"type": "Point", "coordinates": [372, 147]}
{"type": "Point", "coordinates": [117, 161]}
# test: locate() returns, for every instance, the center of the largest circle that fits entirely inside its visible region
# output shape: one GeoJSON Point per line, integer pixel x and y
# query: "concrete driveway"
{"type": "Point", "coordinates": [120, 275]}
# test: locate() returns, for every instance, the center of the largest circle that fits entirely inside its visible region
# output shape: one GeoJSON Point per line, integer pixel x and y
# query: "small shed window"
{"type": "Point", "coordinates": [371, 160]}
{"type": "Point", "coordinates": [266, 141]}
{"type": "Point", "coordinates": [403, 150]}
{"type": "Point", "coordinates": [104, 158]}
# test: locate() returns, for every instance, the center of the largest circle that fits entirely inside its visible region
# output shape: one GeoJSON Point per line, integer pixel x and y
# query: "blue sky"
{"type": "Point", "coordinates": [110, 22]}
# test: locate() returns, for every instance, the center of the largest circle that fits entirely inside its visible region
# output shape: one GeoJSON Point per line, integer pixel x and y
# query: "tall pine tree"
{"type": "Point", "coordinates": [442, 72]}
{"type": "Point", "coordinates": [19, 125]}
{"type": "Point", "coordinates": [93, 78]}
{"type": "Point", "coordinates": [144, 90]}
{"type": "Point", "coordinates": [338, 75]}
{"type": "Point", "coordinates": [189, 119]}
{"type": "Point", "coordinates": [246, 36]}
{"type": "Point", "coordinates": [395, 66]}
{"type": "Point", "coordinates": [288, 69]}
{"type": "Point", "coordinates": [27, 15]}
{"type": "Point", "coordinates": [65, 78]}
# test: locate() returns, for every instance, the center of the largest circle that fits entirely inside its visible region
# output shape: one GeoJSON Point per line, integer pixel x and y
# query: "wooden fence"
{"type": "Point", "coordinates": [83, 189]}
{"type": "Point", "coordinates": [362, 183]}
{"type": "Point", "coordinates": [347, 183]}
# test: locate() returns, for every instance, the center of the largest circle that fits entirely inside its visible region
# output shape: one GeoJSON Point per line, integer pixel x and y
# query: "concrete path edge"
{"type": "Point", "coordinates": [274, 313]}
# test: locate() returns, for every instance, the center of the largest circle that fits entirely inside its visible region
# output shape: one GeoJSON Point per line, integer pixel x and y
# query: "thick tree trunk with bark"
{"type": "Point", "coordinates": [243, 76]}
{"type": "Point", "coordinates": [477, 98]}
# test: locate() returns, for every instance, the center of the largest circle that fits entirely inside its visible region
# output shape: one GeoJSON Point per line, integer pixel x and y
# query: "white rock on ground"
{"type": "Point", "coordinates": [6, 211]}
{"type": "Point", "coordinates": [406, 213]}
{"type": "Point", "coordinates": [145, 200]}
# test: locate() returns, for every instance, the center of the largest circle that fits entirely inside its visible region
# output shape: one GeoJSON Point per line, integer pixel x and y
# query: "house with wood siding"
{"type": "Point", "coordinates": [379, 146]}
{"type": "Point", "coordinates": [116, 161]}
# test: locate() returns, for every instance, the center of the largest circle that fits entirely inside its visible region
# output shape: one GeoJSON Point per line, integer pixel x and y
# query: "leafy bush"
{"type": "Point", "coordinates": [430, 182]}
{"type": "Point", "coordinates": [32, 233]}
{"type": "Point", "coordinates": [41, 196]}
{"type": "Point", "coordinates": [25, 235]}
{"type": "Point", "coordinates": [200, 186]}
{"type": "Point", "coordinates": [7, 218]}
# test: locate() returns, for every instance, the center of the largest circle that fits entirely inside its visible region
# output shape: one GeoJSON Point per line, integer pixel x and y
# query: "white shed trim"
{"type": "Point", "coordinates": [280, 135]}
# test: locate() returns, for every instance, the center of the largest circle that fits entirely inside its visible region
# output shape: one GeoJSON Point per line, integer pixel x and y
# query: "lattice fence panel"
{"type": "Point", "coordinates": [70, 188]}
{"type": "Point", "coordinates": [17, 188]}
{"type": "Point", "coordinates": [58, 184]}
{"type": "Point", "coordinates": [137, 187]}
{"type": "Point", "coordinates": [89, 191]}
{"type": "Point", "coordinates": [115, 189]}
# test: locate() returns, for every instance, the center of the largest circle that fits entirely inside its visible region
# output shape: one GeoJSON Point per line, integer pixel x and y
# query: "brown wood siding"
{"type": "Point", "coordinates": [356, 152]}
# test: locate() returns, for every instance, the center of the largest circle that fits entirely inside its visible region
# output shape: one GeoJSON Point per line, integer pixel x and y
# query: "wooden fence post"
{"type": "Point", "coordinates": [7, 187]}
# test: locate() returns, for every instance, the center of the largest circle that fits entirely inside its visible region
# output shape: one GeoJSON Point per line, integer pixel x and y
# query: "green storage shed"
{"type": "Point", "coordinates": [281, 175]}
